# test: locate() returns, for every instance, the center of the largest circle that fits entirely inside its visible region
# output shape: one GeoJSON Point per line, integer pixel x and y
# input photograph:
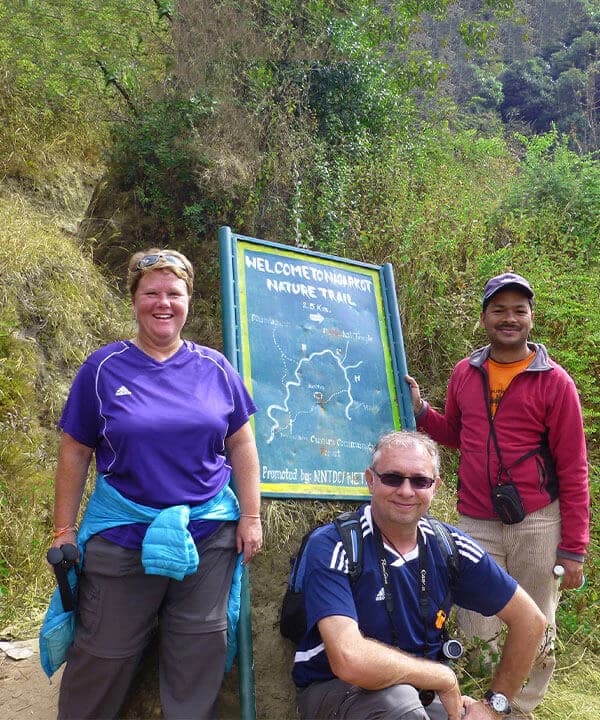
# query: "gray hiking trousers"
{"type": "Point", "coordinates": [118, 608]}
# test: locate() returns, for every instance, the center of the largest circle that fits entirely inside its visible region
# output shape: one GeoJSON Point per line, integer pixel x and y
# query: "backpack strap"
{"type": "Point", "coordinates": [448, 548]}
{"type": "Point", "coordinates": [297, 563]}
{"type": "Point", "coordinates": [350, 531]}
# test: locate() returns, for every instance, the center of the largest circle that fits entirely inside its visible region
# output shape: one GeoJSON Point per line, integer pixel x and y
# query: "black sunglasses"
{"type": "Point", "coordinates": [417, 482]}
{"type": "Point", "coordinates": [151, 260]}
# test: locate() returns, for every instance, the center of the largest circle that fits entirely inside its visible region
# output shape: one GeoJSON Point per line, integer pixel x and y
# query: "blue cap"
{"type": "Point", "coordinates": [506, 281]}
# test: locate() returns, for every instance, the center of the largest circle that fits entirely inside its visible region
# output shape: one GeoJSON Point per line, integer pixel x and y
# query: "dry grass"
{"type": "Point", "coordinates": [575, 690]}
{"type": "Point", "coordinates": [285, 520]}
{"type": "Point", "coordinates": [55, 307]}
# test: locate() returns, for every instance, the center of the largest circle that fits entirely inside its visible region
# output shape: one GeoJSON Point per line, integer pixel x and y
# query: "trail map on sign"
{"type": "Point", "coordinates": [316, 358]}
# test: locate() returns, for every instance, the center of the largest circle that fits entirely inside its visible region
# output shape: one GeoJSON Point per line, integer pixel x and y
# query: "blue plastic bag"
{"type": "Point", "coordinates": [57, 631]}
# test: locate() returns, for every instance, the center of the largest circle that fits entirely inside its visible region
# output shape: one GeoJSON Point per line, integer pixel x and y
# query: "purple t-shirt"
{"type": "Point", "coordinates": [158, 428]}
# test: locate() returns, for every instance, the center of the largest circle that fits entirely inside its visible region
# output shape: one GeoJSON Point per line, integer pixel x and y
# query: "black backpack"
{"type": "Point", "coordinates": [292, 619]}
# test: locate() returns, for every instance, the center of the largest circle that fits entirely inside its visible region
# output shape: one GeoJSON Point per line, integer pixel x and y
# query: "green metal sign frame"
{"type": "Point", "coordinates": [318, 341]}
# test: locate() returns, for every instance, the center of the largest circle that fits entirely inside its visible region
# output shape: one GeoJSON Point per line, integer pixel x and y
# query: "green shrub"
{"type": "Point", "coordinates": [157, 155]}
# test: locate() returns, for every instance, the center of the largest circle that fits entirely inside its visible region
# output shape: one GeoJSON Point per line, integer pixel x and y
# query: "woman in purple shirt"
{"type": "Point", "coordinates": [168, 422]}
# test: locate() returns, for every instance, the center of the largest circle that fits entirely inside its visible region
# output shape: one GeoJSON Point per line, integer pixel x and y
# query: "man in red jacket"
{"type": "Point", "coordinates": [523, 492]}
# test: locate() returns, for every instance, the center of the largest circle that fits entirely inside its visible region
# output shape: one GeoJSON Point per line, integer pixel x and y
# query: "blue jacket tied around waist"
{"type": "Point", "coordinates": [168, 549]}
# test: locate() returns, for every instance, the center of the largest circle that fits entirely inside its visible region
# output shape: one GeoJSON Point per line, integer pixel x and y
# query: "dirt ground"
{"type": "Point", "coordinates": [25, 691]}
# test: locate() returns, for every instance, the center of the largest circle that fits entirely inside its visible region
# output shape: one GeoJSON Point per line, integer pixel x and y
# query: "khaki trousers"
{"type": "Point", "coordinates": [527, 551]}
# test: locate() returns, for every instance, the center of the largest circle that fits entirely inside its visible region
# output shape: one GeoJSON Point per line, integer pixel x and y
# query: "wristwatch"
{"type": "Point", "coordinates": [498, 702]}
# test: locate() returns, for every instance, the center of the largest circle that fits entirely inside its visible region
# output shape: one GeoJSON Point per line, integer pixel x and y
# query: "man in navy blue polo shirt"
{"type": "Point", "coordinates": [374, 648]}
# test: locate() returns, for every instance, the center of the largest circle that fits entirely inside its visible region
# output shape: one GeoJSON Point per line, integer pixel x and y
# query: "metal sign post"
{"type": "Point", "coordinates": [318, 342]}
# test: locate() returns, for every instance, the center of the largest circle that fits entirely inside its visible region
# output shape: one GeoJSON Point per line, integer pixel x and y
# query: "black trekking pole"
{"type": "Point", "coordinates": [62, 560]}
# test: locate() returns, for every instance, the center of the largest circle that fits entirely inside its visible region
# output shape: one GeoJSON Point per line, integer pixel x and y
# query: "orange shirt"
{"type": "Point", "coordinates": [501, 376]}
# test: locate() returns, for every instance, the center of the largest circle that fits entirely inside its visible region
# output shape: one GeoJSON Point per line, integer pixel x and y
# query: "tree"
{"type": "Point", "coordinates": [528, 94]}
{"type": "Point", "coordinates": [51, 55]}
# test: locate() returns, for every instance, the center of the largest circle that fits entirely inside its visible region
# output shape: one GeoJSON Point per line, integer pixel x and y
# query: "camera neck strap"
{"type": "Point", "coordinates": [486, 395]}
{"type": "Point", "coordinates": [501, 467]}
{"type": "Point", "coordinates": [387, 585]}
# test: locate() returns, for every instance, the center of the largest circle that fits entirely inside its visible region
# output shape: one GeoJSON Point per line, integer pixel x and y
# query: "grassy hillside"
{"type": "Point", "coordinates": [57, 306]}
{"type": "Point", "coordinates": [86, 179]}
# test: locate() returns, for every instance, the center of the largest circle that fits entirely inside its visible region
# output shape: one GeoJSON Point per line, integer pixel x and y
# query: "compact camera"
{"type": "Point", "coordinates": [452, 649]}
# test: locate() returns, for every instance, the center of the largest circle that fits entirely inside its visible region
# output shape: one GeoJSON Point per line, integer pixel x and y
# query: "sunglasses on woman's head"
{"type": "Point", "coordinates": [417, 482]}
{"type": "Point", "coordinates": [149, 261]}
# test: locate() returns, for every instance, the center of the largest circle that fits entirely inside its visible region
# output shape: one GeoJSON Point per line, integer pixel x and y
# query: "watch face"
{"type": "Point", "coordinates": [499, 703]}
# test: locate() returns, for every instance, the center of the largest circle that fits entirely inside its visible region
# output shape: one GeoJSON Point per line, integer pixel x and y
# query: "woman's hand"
{"type": "Point", "coordinates": [64, 536]}
{"type": "Point", "coordinates": [243, 456]}
{"type": "Point", "coordinates": [249, 536]}
{"type": "Point", "coordinates": [71, 473]}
